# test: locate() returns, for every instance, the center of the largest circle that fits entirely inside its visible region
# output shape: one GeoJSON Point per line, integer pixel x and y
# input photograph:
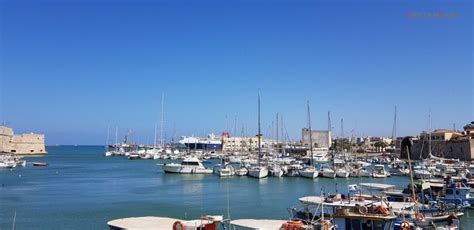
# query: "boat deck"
{"type": "Point", "coordinates": [259, 224]}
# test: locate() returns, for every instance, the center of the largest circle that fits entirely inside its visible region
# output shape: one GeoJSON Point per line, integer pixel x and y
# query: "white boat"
{"type": "Point", "coordinates": [364, 172]}
{"type": "Point", "coordinates": [226, 171]}
{"type": "Point", "coordinates": [342, 172]}
{"type": "Point", "coordinates": [275, 170]}
{"type": "Point", "coordinates": [379, 172]}
{"type": "Point", "coordinates": [309, 172]}
{"type": "Point", "coordinates": [241, 172]}
{"type": "Point", "coordinates": [258, 172]}
{"type": "Point", "coordinates": [328, 172]}
{"type": "Point", "coordinates": [421, 174]}
{"type": "Point", "coordinates": [133, 156]}
{"type": "Point", "coordinates": [109, 154]}
{"type": "Point", "coordinates": [188, 166]}
{"type": "Point", "coordinates": [165, 223]}
{"type": "Point", "coordinates": [7, 164]}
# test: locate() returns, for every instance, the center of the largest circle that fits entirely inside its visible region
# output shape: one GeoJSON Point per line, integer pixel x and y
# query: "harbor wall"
{"type": "Point", "coordinates": [22, 144]}
{"type": "Point", "coordinates": [458, 149]}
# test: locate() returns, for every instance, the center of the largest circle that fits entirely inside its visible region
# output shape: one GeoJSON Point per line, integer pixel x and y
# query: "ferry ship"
{"type": "Point", "coordinates": [211, 142]}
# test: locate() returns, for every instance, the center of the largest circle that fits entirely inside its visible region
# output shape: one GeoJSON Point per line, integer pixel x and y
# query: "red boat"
{"type": "Point", "coordinates": [39, 164]}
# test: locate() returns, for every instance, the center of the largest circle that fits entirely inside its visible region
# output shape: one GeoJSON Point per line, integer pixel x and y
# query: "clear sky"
{"type": "Point", "coordinates": [70, 69]}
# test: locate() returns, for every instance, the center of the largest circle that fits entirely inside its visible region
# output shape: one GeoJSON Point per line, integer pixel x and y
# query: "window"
{"type": "Point", "coordinates": [32, 151]}
{"type": "Point", "coordinates": [13, 151]}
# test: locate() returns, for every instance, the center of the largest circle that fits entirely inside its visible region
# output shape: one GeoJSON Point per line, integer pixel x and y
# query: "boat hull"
{"type": "Point", "coordinates": [258, 172]}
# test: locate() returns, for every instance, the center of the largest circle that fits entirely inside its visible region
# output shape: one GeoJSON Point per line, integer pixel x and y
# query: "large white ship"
{"type": "Point", "coordinates": [211, 142]}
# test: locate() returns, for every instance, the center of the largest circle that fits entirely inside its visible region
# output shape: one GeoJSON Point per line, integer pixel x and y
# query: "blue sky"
{"type": "Point", "coordinates": [69, 69]}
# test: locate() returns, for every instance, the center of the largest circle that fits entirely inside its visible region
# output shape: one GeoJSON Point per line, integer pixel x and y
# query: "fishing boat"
{"type": "Point", "coordinates": [355, 214]}
{"type": "Point", "coordinates": [40, 164]}
{"type": "Point", "coordinates": [190, 165]}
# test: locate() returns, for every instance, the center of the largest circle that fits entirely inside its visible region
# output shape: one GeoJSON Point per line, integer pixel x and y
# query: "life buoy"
{"type": "Point", "coordinates": [178, 225]}
{"type": "Point", "coordinates": [419, 216]}
{"type": "Point", "coordinates": [405, 225]}
{"type": "Point", "coordinates": [363, 210]}
{"type": "Point", "coordinates": [292, 225]}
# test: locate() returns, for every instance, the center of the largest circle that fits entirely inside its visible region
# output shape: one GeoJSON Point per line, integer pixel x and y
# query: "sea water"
{"type": "Point", "coordinates": [82, 189]}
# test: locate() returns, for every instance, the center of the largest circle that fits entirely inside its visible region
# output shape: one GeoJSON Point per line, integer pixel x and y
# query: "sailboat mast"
{"type": "Point", "coordinates": [161, 128]}
{"type": "Point", "coordinates": [276, 129]}
{"type": "Point", "coordinates": [108, 133]}
{"type": "Point", "coordinates": [342, 134]}
{"type": "Point", "coordinates": [259, 131]}
{"type": "Point", "coordinates": [116, 135]}
{"type": "Point", "coordinates": [429, 133]}
{"type": "Point", "coordinates": [394, 130]}
{"type": "Point", "coordinates": [310, 135]}
{"type": "Point", "coordinates": [154, 140]}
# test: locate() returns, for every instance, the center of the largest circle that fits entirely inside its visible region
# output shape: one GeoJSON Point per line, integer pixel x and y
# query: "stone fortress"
{"type": "Point", "coordinates": [21, 144]}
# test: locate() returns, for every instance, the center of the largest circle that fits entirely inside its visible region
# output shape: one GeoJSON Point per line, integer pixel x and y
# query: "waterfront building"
{"type": "Point", "coordinates": [245, 143]}
{"type": "Point", "coordinates": [21, 144]}
{"type": "Point", "coordinates": [444, 143]}
{"type": "Point", "coordinates": [320, 138]}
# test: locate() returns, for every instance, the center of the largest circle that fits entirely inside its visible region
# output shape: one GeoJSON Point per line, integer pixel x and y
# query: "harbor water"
{"type": "Point", "coordinates": [82, 189]}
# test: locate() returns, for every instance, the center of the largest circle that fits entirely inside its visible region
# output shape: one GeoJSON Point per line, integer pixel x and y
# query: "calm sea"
{"type": "Point", "coordinates": [82, 189]}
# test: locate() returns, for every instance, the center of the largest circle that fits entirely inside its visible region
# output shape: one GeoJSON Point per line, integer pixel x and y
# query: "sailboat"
{"type": "Point", "coordinates": [258, 171]}
{"type": "Point", "coordinates": [310, 171]}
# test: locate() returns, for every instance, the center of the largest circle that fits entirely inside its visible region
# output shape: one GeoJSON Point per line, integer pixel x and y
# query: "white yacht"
{"type": "Point", "coordinates": [227, 170]}
{"type": "Point", "coordinates": [379, 172]}
{"type": "Point", "coordinates": [342, 172]}
{"type": "Point", "coordinates": [241, 171]}
{"type": "Point", "coordinates": [364, 172]}
{"type": "Point", "coordinates": [189, 165]}
{"type": "Point", "coordinates": [328, 172]}
{"type": "Point", "coordinates": [275, 170]}
{"type": "Point", "coordinates": [258, 172]}
{"type": "Point", "coordinates": [320, 155]}
{"type": "Point", "coordinates": [309, 172]}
